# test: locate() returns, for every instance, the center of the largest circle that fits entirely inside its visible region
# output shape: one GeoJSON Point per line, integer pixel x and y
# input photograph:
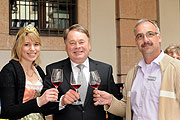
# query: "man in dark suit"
{"type": "Point", "coordinates": [78, 46]}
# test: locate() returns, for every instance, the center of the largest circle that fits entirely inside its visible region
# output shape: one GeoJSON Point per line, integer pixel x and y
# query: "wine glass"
{"type": "Point", "coordinates": [95, 81]}
{"type": "Point", "coordinates": [75, 84]}
{"type": "Point", "coordinates": [57, 78]}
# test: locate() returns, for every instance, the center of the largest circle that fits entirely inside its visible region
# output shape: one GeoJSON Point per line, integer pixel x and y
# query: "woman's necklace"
{"type": "Point", "coordinates": [28, 72]}
{"type": "Point", "coordinates": [30, 75]}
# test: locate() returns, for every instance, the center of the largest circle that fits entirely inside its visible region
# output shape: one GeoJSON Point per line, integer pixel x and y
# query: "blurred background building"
{"type": "Point", "coordinates": [110, 23]}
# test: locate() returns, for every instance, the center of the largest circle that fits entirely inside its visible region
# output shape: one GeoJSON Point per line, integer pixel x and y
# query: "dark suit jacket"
{"type": "Point", "coordinates": [78, 112]}
{"type": "Point", "coordinates": [12, 86]}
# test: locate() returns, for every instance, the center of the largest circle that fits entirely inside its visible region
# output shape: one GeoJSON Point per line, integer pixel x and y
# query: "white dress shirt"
{"type": "Point", "coordinates": [76, 70]}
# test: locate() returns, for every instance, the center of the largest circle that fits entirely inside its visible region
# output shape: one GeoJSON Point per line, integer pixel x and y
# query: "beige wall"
{"type": "Point", "coordinates": [170, 22]}
{"type": "Point", "coordinates": [103, 31]}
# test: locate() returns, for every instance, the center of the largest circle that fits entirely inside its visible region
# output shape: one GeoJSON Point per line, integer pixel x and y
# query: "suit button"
{"type": "Point", "coordinates": [83, 111]}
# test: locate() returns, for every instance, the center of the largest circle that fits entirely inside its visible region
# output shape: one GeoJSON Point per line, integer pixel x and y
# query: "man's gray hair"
{"type": "Point", "coordinates": [146, 20]}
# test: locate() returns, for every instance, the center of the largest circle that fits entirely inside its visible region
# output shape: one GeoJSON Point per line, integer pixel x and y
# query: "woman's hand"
{"type": "Point", "coordinates": [48, 95]}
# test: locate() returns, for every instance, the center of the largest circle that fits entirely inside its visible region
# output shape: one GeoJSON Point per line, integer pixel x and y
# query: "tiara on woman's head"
{"type": "Point", "coordinates": [30, 28]}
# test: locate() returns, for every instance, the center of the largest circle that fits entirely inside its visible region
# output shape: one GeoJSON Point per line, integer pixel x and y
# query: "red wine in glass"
{"type": "Point", "coordinates": [56, 84]}
{"type": "Point", "coordinates": [76, 86]}
{"type": "Point", "coordinates": [57, 78]}
{"type": "Point", "coordinates": [95, 86]}
{"type": "Point", "coordinates": [95, 81]}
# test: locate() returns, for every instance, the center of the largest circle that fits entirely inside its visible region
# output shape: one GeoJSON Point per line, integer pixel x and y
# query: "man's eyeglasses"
{"type": "Point", "coordinates": [149, 35]}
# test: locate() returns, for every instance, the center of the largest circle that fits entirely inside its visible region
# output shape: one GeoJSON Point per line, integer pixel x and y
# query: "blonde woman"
{"type": "Point", "coordinates": [21, 80]}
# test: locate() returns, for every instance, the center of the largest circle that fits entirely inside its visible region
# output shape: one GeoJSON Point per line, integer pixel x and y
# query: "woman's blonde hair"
{"type": "Point", "coordinates": [171, 49]}
{"type": "Point", "coordinates": [29, 31]}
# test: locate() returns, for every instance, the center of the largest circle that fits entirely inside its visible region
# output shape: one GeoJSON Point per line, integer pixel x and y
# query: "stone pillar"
{"type": "Point", "coordinates": [128, 12]}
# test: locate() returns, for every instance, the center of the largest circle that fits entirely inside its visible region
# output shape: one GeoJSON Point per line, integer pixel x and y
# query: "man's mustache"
{"type": "Point", "coordinates": [147, 44]}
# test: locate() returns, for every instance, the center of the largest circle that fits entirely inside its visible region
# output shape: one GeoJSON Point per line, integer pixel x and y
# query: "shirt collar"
{"type": "Point", "coordinates": [85, 63]}
{"type": "Point", "coordinates": [142, 63]}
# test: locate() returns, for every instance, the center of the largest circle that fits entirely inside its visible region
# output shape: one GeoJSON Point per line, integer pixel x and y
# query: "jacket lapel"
{"type": "Point", "coordinates": [67, 70]}
{"type": "Point", "coordinates": [66, 66]}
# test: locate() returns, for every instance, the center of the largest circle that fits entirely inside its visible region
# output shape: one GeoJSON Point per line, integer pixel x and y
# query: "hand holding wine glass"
{"type": "Point", "coordinates": [57, 77]}
{"type": "Point", "coordinates": [75, 84]}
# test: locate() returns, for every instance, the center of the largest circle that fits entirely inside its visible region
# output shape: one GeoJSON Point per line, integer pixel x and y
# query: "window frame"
{"type": "Point", "coordinates": [43, 31]}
